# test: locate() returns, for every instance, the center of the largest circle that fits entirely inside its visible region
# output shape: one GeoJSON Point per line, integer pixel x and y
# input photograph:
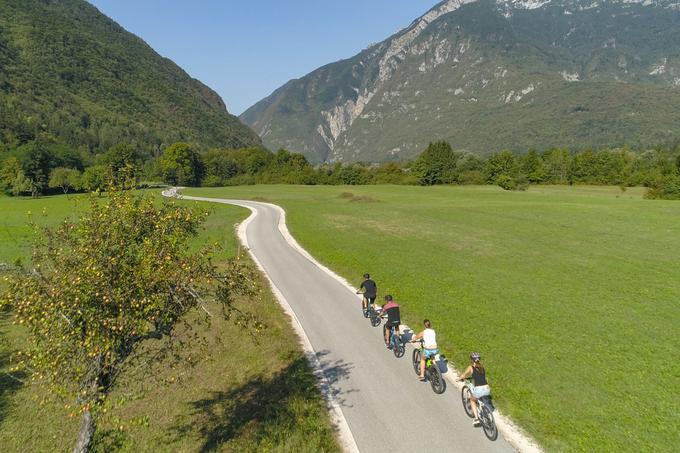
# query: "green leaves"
{"type": "Point", "coordinates": [436, 165]}
{"type": "Point", "coordinates": [181, 165]}
{"type": "Point", "coordinates": [64, 179]}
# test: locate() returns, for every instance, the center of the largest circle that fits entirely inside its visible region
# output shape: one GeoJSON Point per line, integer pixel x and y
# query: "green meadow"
{"type": "Point", "coordinates": [247, 394]}
{"type": "Point", "coordinates": [571, 294]}
{"type": "Point", "coordinates": [20, 216]}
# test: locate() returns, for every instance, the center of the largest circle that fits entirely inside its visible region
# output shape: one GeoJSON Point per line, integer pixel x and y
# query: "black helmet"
{"type": "Point", "coordinates": [475, 356]}
{"type": "Point", "coordinates": [388, 298]}
{"type": "Point", "coordinates": [367, 276]}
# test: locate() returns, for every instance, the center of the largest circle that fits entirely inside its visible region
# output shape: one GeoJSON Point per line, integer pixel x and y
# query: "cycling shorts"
{"type": "Point", "coordinates": [430, 352]}
{"type": "Point", "coordinates": [481, 391]}
{"type": "Point", "coordinates": [388, 325]}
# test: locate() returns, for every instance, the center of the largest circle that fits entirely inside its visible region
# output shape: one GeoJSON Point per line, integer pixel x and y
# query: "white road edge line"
{"type": "Point", "coordinates": [345, 435]}
{"type": "Point", "coordinates": [511, 432]}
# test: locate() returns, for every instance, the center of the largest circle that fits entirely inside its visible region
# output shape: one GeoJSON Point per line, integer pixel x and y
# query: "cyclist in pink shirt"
{"type": "Point", "coordinates": [391, 310]}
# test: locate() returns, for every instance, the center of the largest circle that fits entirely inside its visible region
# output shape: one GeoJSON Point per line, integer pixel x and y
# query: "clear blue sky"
{"type": "Point", "coordinates": [245, 49]}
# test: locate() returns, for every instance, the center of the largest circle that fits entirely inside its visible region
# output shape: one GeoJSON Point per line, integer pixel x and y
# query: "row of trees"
{"type": "Point", "coordinates": [439, 164]}
{"type": "Point", "coordinates": [40, 166]}
{"type": "Point", "coordinates": [658, 169]}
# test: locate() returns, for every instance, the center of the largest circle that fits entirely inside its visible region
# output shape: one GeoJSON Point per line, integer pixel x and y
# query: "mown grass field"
{"type": "Point", "coordinates": [18, 216]}
{"type": "Point", "coordinates": [571, 294]}
{"type": "Point", "coordinates": [248, 394]}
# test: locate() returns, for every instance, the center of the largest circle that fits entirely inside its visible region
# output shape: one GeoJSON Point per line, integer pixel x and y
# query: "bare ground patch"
{"type": "Point", "coordinates": [349, 196]}
{"type": "Point", "coordinates": [363, 199]}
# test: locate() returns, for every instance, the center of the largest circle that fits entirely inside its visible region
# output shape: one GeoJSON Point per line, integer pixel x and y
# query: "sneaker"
{"type": "Point", "coordinates": [476, 422]}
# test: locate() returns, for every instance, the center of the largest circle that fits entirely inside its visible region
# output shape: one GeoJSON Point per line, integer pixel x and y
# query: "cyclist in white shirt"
{"type": "Point", "coordinates": [429, 337]}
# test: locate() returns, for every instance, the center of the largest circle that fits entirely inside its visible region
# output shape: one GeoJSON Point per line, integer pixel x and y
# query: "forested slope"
{"type": "Point", "coordinates": [69, 73]}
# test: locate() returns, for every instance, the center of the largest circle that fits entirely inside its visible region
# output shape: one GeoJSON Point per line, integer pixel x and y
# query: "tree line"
{"type": "Point", "coordinates": [42, 166]}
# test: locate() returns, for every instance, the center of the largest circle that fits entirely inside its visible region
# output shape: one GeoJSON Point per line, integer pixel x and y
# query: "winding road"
{"type": "Point", "coordinates": [378, 396]}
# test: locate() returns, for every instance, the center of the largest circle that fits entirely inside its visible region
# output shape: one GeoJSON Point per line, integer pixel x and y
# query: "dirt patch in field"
{"type": "Point", "coordinates": [363, 199]}
{"type": "Point", "coordinates": [349, 196]}
{"type": "Point", "coordinates": [261, 199]}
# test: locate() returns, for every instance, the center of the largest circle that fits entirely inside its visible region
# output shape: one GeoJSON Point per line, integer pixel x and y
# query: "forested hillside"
{"type": "Point", "coordinates": [70, 74]}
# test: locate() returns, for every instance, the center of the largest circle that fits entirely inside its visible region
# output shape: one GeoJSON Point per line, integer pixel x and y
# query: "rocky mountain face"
{"type": "Point", "coordinates": [488, 75]}
{"type": "Point", "coordinates": [69, 73]}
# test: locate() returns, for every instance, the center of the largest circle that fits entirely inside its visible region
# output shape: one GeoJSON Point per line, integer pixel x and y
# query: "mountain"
{"type": "Point", "coordinates": [71, 73]}
{"type": "Point", "coordinates": [489, 75]}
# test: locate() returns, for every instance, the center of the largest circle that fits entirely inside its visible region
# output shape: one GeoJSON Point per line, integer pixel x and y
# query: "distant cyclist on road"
{"type": "Point", "coordinates": [369, 289]}
{"type": "Point", "coordinates": [391, 310]}
{"type": "Point", "coordinates": [480, 385]}
{"type": "Point", "coordinates": [430, 348]}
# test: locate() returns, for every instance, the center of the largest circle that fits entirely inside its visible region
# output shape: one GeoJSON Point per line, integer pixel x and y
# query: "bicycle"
{"type": "Point", "coordinates": [396, 342]}
{"type": "Point", "coordinates": [484, 410]}
{"type": "Point", "coordinates": [374, 315]}
{"type": "Point", "coordinates": [365, 307]}
{"type": "Point", "coordinates": [432, 372]}
{"type": "Point", "coordinates": [368, 311]}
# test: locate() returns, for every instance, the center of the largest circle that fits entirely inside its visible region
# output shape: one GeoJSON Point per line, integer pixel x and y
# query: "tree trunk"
{"type": "Point", "coordinates": [86, 434]}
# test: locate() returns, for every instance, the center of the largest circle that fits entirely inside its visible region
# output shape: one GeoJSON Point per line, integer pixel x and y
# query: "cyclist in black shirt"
{"type": "Point", "coordinates": [369, 290]}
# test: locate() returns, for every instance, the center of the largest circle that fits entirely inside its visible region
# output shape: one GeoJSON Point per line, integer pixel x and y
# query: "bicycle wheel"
{"type": "Point", "coordinates": [375, 320]}
{"type": "Point", "coordinates": [399, 348]}
{"type": "Point", "coordinates": [466, 396]}
{"type": "Point", "coordinates": [488, 422]}
{"type": "Point", "coordinates": [365, 311]}
{"type": "Point", "coordinates": [416, 361]}
{"type": "Point", "coordinates": [436, 379]}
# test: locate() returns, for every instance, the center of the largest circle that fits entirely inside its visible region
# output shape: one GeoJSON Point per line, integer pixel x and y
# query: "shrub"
{"type": "Point", "coordinates": [212, 181]}
{"type": "Point", "coordinates": [241, 180]}
{"type": "Point", "coordinates": [665, 188]}
{"type": "Point", "coordinates": [475, 177]}
{"type": "Point", "coordinates": [505, 182]}
{"type": "Point", "coordinates": [509, 183]}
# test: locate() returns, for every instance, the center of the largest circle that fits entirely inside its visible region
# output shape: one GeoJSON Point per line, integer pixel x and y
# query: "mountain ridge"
{"type": "Point", "coordinates": [324, 114]}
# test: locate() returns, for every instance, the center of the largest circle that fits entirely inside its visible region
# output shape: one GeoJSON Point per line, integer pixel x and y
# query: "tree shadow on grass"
{"type": "Point", "coordinates": [266, 411]}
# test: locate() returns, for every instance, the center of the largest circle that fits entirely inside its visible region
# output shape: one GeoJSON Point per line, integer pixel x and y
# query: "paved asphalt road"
{"type": "Point", "coordinates": [386, 407]}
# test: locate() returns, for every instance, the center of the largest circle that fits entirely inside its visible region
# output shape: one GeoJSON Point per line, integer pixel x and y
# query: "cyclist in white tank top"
{"type": "Point", "coordinates": [430, 348]}
{"type": "Point", "coordinates": [430, 339]}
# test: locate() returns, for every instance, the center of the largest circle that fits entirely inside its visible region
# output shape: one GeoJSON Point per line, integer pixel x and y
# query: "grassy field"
{"type": "Point", "coordinates": [250, 394]}
{"type": "Point", "coordinates": [19, 214]}
{"type": "Point", "coordinates": [571, 294]}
